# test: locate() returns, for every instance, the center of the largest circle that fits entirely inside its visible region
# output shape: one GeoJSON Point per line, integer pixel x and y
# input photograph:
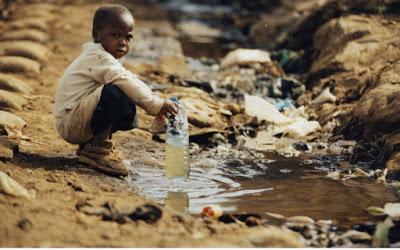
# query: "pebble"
{"type": "Point", "coordinates": [300, 220]}
{"type": "Point", "coordinates": [148, 213]}
{"type": "Point", "coordinates": [356, 236]}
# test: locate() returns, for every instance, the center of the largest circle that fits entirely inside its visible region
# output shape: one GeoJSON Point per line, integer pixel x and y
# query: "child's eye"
{"type": "Point", "coordinates": [116, 35]}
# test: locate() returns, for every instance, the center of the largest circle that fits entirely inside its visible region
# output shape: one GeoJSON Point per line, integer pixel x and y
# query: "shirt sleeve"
{"type": "Point", "coordinates": [109, 70]}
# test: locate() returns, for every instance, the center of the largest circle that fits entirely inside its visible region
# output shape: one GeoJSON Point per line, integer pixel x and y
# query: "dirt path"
{"type": "Point", "coordinates": [46, 164]}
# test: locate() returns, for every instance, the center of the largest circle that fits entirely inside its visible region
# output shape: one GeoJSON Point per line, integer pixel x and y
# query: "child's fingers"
{"type": "Point", "coordinates": [173, 108]}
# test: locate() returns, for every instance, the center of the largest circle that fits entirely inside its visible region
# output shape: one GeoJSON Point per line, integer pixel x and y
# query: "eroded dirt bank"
{"type": "Point", "coordinates": [68, 204]}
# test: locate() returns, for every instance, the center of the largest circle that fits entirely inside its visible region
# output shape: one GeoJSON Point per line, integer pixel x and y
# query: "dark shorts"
{"type": "Point", "coordinates": [114, 110]}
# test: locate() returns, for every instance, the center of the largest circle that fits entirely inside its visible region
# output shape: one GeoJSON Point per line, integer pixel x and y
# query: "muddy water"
{"type": "Point", "coordinates": [286, 186]}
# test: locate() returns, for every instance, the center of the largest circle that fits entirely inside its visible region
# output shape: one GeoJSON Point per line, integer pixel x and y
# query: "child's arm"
{"type": "Point", "coordinates": [106, 69]}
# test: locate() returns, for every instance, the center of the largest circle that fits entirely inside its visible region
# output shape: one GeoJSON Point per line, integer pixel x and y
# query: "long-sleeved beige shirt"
{"type": "Point", "coordinates": [91, 70]}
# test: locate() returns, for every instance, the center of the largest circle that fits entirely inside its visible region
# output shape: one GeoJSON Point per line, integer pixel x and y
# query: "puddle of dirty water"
{"type": "Point", "coordinates": [285, 186]}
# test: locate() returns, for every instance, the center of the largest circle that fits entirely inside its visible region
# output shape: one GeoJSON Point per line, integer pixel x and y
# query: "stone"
{"type": "Point", "coordinates": [393, 164]}
{"type": "Point", "coordinates": [13, 188]}
{"type": "Point", "coordinates": [202, 110]}
{"type": "Point", "coordinates": [25, 34]}
{"type": "Point", "coordinates": [174, 65]}
{"type": "Point", "coordinates": [274, 237]}
{"type": "Point", "coordinates": [300, 220]}
{"type": "Point", "coordinates": [148, 213]}
{"type": "Point", "coordinates": [244, 57]}
{"type": "Point", "coordinates": [18, 64]}
{"type": "Point", "coordinates": [10, 121]}
{"type": "Point", "coordinates": [28, 49]}
{"type": "Point", "coordinates": [11, 83]}
{"type": "Point", "coordinates": [11, 101]}
{"type": "Point", "coordinates": [29, 23]}
{"type": "Point", "coordinates": [356, 236]}
{"type": "Point", "coordinates": [25, 224]}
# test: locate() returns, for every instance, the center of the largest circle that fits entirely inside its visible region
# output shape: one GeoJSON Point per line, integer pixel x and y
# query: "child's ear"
{"type": "Point", "coordinates": [94, 35]}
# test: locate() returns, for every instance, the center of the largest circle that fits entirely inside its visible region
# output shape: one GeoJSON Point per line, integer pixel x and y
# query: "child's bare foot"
{"type": "Point", "coordinates": [103, 158]}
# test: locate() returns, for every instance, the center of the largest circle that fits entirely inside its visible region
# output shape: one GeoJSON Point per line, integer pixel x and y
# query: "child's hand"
{"type": "Point", "coordinates": [169, 107]}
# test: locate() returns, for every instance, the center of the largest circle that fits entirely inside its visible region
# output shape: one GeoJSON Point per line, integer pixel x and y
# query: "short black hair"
{"type": "Point", "coordinates": [104, 12]}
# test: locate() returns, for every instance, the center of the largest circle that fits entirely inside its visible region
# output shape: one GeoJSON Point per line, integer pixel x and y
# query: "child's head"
{"type": "Point", "coordinates": [113, 28]}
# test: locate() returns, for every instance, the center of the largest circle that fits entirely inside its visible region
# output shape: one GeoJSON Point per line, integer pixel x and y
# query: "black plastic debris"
{"type": "Point", "coordinates": [148, 213]}
{"type": "Point", "coordinates": [250, 219]}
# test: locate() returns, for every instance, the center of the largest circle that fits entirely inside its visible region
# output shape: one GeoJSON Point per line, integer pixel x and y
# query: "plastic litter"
{"type": "Point", "coordinates": [325, 97]}
{"type": "Point", "coordinates": [212, 211]}
{"type": "Point", "coordinates": [292, 126]}
{"type": "Point", "coordinates": [177, 145]}
{"type": "Point", "coordinates": [245, 56]}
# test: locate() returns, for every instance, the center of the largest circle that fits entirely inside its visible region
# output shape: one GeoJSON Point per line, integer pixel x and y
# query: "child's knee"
{"type": "Point", "coordinates": [112, 92]}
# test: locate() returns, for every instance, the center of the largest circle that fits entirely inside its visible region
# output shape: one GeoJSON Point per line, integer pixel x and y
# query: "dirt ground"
{"type": "Point", "coordinates": [47, 164]}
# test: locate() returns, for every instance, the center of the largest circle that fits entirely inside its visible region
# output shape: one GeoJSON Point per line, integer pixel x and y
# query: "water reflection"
{"type": "Point", "coordinates": [286, 186]}
{"type": "Point", "coordinates": [178, 202]}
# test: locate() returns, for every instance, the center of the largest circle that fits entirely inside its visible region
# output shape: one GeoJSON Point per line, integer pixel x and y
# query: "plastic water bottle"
{"type": "Point", "coordinates": [177, 162]}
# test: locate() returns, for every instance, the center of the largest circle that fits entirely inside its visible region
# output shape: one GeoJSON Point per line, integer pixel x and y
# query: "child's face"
{"type": "Point", "coordinates": [116, 35]}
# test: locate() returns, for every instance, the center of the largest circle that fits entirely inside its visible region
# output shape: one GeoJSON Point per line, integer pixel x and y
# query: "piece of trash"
{"type": "Point", "coordinates": [381, 236]}
{"type": "Point", "coordinates": [356, 236]}
{"type": "Point", "coordinates": [285, 170]}
{"type": "Point", "coordinates": [212, 211]}
{"type": "Point", "coordinates": [324, 97]}
{"type": "Point", "coordinates": [285, 104]}
{"type": "Point", "coordinates": [245, 56]}
{"type": "Point", "coordinates": [335, 175]}
{"type": "Point", "coordinates": [376, 211]}
{"type": "Point", "coordinates": [148, 213]}
{"type": "Point", "coordinates": [392, 210]}
{"type": "Point", "coordinates": [11, 187]}
{"type": "Point", "coordinates": [263, 110]}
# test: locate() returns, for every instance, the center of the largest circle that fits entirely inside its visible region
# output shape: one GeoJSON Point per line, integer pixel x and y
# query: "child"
{"type": "Point", "coordinates": [96, 95]}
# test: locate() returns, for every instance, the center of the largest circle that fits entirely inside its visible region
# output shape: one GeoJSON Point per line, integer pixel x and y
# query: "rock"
{"type": "Point", "coordinates": [375, 111]}
{"type": "Point", "coordinates": [174, 65]}
{"type": "Point", "coordinates": [11, 101]}
{"type": "Point", "coordinates": [25, 224]}
{"type": "Point", "coordinates": [393, 164]}
{"type": "Point", "coordinates": [148, 213]}
{"type": "Point", "coordinates": [300, 220]}
{"type": "Point", "coordinates": [202, 110]}
{"type": "Point", "coordinates": [276, 216]}
{"type": "Point", "coordinates": [13, 188]}
{"type": "Point", "coordinates": [356, 236]}
{"type": "Point", "coordinates": [28, 49]}
{"type": "Point", "coordinates": [18, 64]}
{"type": "Point", "coordinates": [244, 57]}
{"type": "Point", "coordinates": [334, 175]}
{"type": "Point", "coordinates": [6, 153]}
{"type": "Point", "coordinates": [10, 122]}
{"type": "Point", "coordinates": [302, 146]}
{"type": "Point", "coordinates": [29, 23]}
{"type": "Point", "coordinates": [274, 237]}
{"type": "Point", "coordinates": [10, 83]}
{"type": "Point", "coordinates": [38, 7]}
{"type": "Point", "coordinates": [25, 34]}
{"type": "Point", "coordinates": [198, 29]}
